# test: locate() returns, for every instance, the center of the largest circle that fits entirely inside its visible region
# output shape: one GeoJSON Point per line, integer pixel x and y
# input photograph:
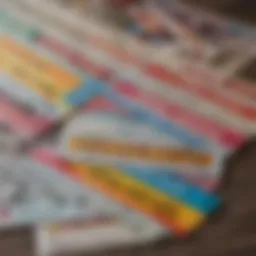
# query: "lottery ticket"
{"type": "Point", "coordinates": [130, 48]}
{"type": "Point", "coordinates": [156, 199]}
{"type": "Point", "coordinates": [217, 133]}
{"type": "Point", "coordinates": [92, 203]}
{"type": "Point", "coordinates": [30, 194]}
{"type": "Point", "coordinates": [96, 234]}
{"type": "Point", "coordinates": [176, 125]}
{"type": "Point", "coordinates": [133, 51]}
{"type": "Point", "coordinates": [176, 94]}
{"type": "Point", "coordinates": [99, 71]}
{"type": "Point", "coordinates": [204, 100]}
{"type": "Point", "coordinates": [75, 16]}
{"type": "Point", "coordinates": [220, 105]}
{"type": "Point", "coordinates": [112, 139]}
{"type": "Point", "coordinates": [213, 100]}
{"type": "Point", "coordinates": [32, 103]}
{"type": "Point", "coordinates": [100, 121]}
{"type": "Point", "coordinates": [102, 105]}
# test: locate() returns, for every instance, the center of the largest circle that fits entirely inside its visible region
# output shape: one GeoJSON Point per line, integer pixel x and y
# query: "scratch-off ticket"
{"type": "Point", "coordinates": [84, 235]}
{"type": "Point", "coordinates": [160, 206]}
{"type": "Point", "coordinates": [209, 129]}
{"type": "Point", "coordinates": [139, 114]}
{"type": "Point", "coordinates": [29, 194]}
{"type": "Point", "coordinates": [177, 210]}
{"type": "Point", "coordinates": [112, 139]}
{"type": "Point", "coordinates": [101, 105]}
{"type": "Point", "coordinates": [235, 113]}
{"type": "Point", "coordinates": [76, 201]}
{"type": "Point", "coordinates": [181, 133]}
{"type": "Point", "coordinates": [154, 129]}
{"type": "Point", "coordinates": [211, 103]}
{"type": "Point", "coordinates": [33, 88]}
{"type": "Point", "coordinates": [214, 101]}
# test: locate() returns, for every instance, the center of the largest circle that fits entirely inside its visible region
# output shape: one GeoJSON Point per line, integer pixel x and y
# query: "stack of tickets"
{"type": "Point", "coordinates": [119, 133]}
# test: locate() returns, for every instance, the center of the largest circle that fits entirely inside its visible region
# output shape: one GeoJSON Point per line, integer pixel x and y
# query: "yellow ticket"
{"type": "Point", "coordinates": [163, 155]}
{"type": "Point", "coordinates": [36, 72]}
{"type": "Point", "coordinates": [112, 182]}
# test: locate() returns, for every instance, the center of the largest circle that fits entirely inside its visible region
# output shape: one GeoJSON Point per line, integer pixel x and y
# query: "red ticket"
{"type": "Point", "coordinates": [156, 72]}
{"type": "Point", "coordinates": [212, 130]}
{"type": "Point", "coordinates": [207, 93]}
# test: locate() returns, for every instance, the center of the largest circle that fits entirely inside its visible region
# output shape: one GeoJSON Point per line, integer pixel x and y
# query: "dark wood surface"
{"type": "Point", "coordinates": [230, 232]}
{"type": "Point", "coordinates": [243, 10]}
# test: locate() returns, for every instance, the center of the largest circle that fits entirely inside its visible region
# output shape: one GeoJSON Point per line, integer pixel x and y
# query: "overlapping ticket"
{"type": "Point", "coordinates": [95, 234]}
{"type": "Point", "coordinates": [147, 142]}
{"type": "Point", "coordinates": [173, 202]}
{"type": "Point", "coordinates": [101, 216]}
{"type": "Point", "coordinates": [146, 139]}
{"type": "Point", "coordinates": [140, 207]}
{"type": "Point", "coordinates": [30, 194]}
{"type": "Point", "coordinates": [112, 138]}
{"type": "Point", "coordinates": [33, 83]}
{"type": "Point", "coordinates": [226, 105]}
{"type": "Point", "coordinates": [193, 143]}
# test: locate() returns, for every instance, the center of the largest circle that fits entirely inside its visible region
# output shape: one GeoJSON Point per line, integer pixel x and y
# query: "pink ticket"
{"type": "Point", "coordinates": [215, 132]}
{"type": "Point", "coordinates": [207, 93]}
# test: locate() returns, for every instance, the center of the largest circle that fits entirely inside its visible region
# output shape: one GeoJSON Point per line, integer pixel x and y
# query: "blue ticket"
{"type": "Point", "coordinates": [142, 114]}
{"type": "Point", "coordinates": [175, 186]}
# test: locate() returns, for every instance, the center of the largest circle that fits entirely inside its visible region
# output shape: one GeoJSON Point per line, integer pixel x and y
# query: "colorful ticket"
{"type": "Point", "coordinates": [138, 113]}
{"type": "Point", "coordinates": [222, 133]}
{"type": "Point", "coordinates": [105, 122]}
{"type": "Point", "coordinates": [81, 125]}
{"type": "Point", "coordinates": [30, 194]}
{"type": "Point", "coordinates": [74, 200]}
{"type": "Point", "coordinates": [224, 81]}
{"type": "Point", "coordinates": [33, 87]}
{"type": "Point", "coordinates": [95, 234]}
{"type": "Point", "coordinates": [182, 207]}
{"type": "Point", "coordinates": [219, 105]}
{"type": "Point", "coordinates": [182, 134]}
{"type": "Point", "coordinates": [112, 139]}
{"type": "Point", "coordinates": [209, 101]}
{"type": "Point", "coordinates": [144, 197]}
{"type": "Point", "coordinates": [210, 130]}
